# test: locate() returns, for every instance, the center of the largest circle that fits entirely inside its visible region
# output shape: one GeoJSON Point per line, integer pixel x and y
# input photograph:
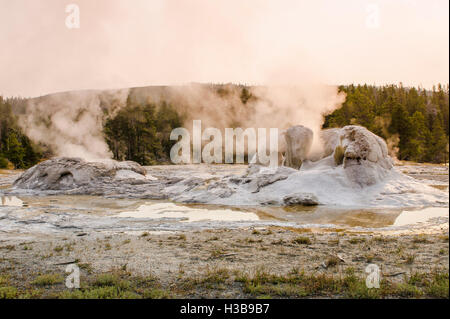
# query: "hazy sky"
{"type": "Point", "coordinates": [123, 43]}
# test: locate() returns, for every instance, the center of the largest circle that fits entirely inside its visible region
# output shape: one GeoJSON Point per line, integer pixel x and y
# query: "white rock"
{"type": "Point", "coordinates": [305, 199]}
{"type": "Point", "coordinates": [70, 173]}
{"type": "Point", "coordinates": [298, 144]}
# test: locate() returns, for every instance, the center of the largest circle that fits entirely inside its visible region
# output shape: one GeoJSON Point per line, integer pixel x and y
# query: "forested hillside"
{"type": "Point", "coordinates": [413, 121]}
{"type": "Point", "coordinates": [16, 149]}
{"type": "Point", "coordinates": [141, 132]}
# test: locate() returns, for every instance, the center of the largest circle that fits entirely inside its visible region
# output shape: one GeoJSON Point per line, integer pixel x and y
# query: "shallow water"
{"type": "Point", "coordinates": [188, 214]}
{"type": "Point", "coordinates": [95, 212]}
{"type": "Point", "coordinates": [168, 212]}
{"type": "Point", "coordinates": [298, 215]}
{"type": "Point", "coordinates": [11, 201]}
{"type": "Point", "coordinates": [420, 216]}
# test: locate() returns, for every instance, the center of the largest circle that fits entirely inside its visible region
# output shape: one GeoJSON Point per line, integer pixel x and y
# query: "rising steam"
{"type": "Point", "coordinates": [71, 123]}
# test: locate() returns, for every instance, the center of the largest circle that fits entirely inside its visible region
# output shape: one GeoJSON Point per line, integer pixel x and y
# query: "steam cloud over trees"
{"type": "Point", "coordinates": [413, 121]}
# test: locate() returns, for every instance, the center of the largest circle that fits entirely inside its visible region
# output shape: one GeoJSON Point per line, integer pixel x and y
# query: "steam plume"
{"type": "Point", "coordinates": [71, 123]}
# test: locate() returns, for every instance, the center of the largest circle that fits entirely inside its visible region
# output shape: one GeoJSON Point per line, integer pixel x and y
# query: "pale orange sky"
{"type": "Point", "coordinates": [123, 43]}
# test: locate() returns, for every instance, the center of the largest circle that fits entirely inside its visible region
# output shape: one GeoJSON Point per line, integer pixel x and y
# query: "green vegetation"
{"type": "Point", "coordinates": [8, 292]}
{"type": "Point", "coordinates": [356, 240]}
{"type": "Point", "coordinates": [58, 249]}
{"type": "Point", "coordinates": [99, 293]}
{"type": "Point", "coordinates": [332, 262]}
{"type": "Point", "coordinates": [410, 259]}
{"type": "Point", "coordinates": [111, 280]}
{"type": "Point", "coordinates": [297, 285]}
{"type": "Point", "coordinates": [16, 149]}
{"type": "Point", "coordinates": [420, 240]}
{"type": "Point", "coordinates": [48, 280]}
{"type": "Point", "coordinates": [141, 132]}
{"type": "Point", "coordinates": [412, 120]}
{"type": "Point", "coordinates": [117, 285]}
{"type": "Point", "coordinates": [3, 280]}
{"type": "Point", "coordinates": [339, 155]}
{"type": "Point", "coordinates": [220, 282]}
{"type": "Point", "coordinates": [302, 241]}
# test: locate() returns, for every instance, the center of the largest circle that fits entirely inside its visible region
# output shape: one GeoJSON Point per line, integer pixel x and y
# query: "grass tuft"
{"type": "Point", "coordinates": [302, 241]}
{"type": "Point", "coordinates": [48, 280]}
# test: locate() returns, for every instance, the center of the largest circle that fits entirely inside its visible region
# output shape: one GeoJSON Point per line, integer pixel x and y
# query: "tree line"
{"type": "Point", "coordinates": [413, 121]}
{"type": "Point", "coordinates": [140, 132]}
{"type": "Point", "coordinates": [16, 149]}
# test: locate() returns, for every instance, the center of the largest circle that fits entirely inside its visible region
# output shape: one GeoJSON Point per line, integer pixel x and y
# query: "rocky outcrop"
{"type": "Point", "coordinates": [353, 157]}
{"type": "Point", "coordinates": [69, 173]}
{"type": "Point", "coordinates": [298, 144]}
{"type": "Point", "coordinates": [74, 176]}
{"type": "Point", "coordinates": [364, 155]}
{"type": "Point", "coordinates": [304, 199]}
{"type": "Point", "coordinates": [330, 139]}
{"type": "Point", "coordinates": [362, 145]}
{"type": "Point", "coordinates": [358, 144]}
{"type": "Point", "coordinates": [258, 179]}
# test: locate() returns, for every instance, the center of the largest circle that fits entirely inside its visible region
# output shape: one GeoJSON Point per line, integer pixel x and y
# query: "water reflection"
{"type": "Point", "coordinates": [367, 218]}
{"type": "Point", "coordinates": [373, 218]}
{"type": "Point", "coordinates": [81, 203]}
{"type": "Point", "coordinates": [11, 201]}
{"type": "Point", "coordinates": [188, 214]}
{"type": "Point", "coordinates": [137, 208]}
{"type": "Point", "coordinates": [420, 216]}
